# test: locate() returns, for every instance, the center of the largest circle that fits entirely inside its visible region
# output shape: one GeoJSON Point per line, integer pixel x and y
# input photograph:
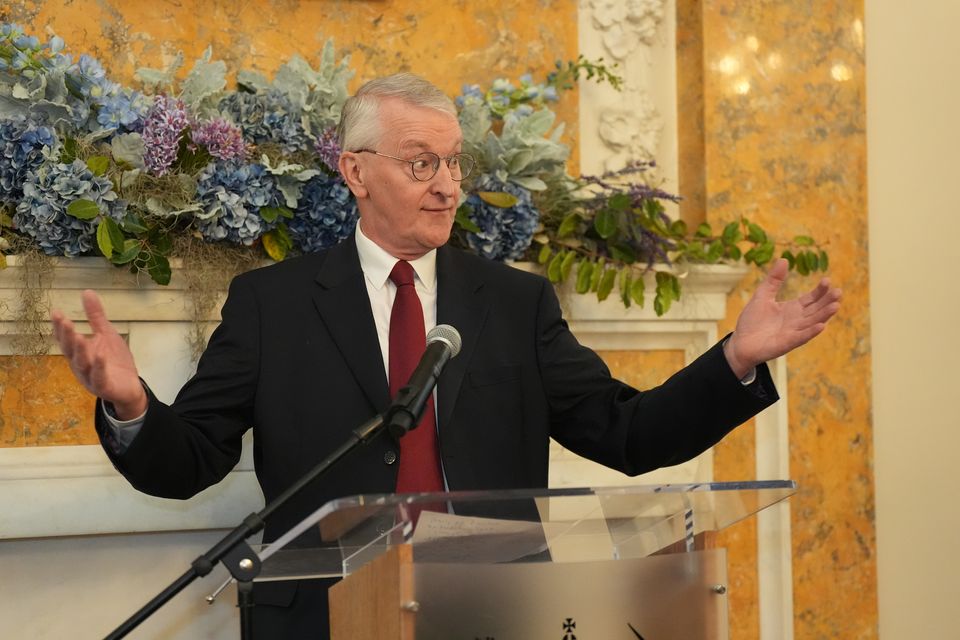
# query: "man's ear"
{"type": "Point", "coordinates": [352, 174]}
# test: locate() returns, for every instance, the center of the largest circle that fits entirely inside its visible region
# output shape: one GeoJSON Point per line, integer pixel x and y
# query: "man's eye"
{"type": "Point", "coordinates": [421, 164]}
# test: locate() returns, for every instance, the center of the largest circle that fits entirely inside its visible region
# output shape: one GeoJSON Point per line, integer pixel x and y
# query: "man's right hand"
{"type": "Point", "coordinates": [102, 362]}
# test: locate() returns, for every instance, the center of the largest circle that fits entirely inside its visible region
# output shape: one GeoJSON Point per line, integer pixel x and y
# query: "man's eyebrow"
{"type": "Point", "coordinates": [423, 145]}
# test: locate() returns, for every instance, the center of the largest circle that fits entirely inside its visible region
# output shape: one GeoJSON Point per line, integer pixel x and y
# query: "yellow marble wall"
{"type": "Point", "coordinates": [41, 404]}
{"type": "Point", "coordinates": [785, 145]}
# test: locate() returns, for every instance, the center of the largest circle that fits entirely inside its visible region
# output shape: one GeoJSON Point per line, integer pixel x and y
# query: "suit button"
{"type": "Point", "coordinates": [390, 457]}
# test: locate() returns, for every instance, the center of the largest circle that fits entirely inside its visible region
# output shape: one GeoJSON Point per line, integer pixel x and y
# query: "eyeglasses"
{"type": "Point", "coordinates": [426, 164]}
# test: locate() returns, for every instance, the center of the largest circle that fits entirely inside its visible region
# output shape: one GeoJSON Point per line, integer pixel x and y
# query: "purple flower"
{"type": "Point", "coordinates": [328, 149]}
{"type": "Point", "coordinates": [223, 139]}
{"type": "Point", "coordinates": [162, 131]}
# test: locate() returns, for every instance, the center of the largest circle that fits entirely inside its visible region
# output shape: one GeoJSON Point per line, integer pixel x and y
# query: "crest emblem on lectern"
{"type": "Point", "coordinates": [568, 626]}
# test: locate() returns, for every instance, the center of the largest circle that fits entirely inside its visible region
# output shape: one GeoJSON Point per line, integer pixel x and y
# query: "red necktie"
{"type": "Point", "coordinates": [419, 449]}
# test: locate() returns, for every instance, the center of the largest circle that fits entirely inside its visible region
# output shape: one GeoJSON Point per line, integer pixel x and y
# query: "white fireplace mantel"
{"type": "Point", "coordinates": [74, 490]}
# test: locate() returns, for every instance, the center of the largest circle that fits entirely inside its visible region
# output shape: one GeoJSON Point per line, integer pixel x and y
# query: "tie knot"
{"type": "Point", "coordinates": [402, 273]}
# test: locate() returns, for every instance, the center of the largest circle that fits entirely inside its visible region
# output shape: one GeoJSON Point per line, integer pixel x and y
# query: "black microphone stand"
{"type": "Point", "coordinates": [234, 552]}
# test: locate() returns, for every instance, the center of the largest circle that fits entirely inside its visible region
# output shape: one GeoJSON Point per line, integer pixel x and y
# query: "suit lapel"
{"type": "Point", "coordinates": [461, 304]}
{"type": "Point", "coordinates": [341, 299]}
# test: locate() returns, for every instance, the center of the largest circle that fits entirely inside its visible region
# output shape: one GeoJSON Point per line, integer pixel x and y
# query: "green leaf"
{"type": "Point", "coordinates": [764, 253]}
{"type": "Point", "coordinates": [160, 241]}
{"type": "Point", "coordinates": [622, 252]}
{"type": "Point", "coordinates": [715, 251]}
{"type": "Point", "coordinates": [133, 223]}
{"type": "Point", "coordinates": [791, 259]}
{"type": "Point", "coordinates": [463, 219]}
{"type": "Point", "coordinates": [103, 238]}
{"type": "Point", "coordinates": [109, 237]}
{"type": "Point", "coordinates": [755, 233]}
{"type": "Point", "coordinates": [597, 274]}
{"type": "Point", "coordinates": [732, 234]}
{"type": "Point", "coordinates": [584, 272]}
{"type": "Point", "coordinates": [626, 279]}
{"type": "Point", "coordinates": [567, 265]}
{"type": "Point", "coordinates": [678, 228]}
{"type": "Point", "coordinates": [619, 201]}
{"type": "Point", "coordinates": [813, 262]}
{"type": "Point", "coordinates": [275, 244]}
{"type": "Point", "coordinates": [98, 164]}
{"type": "Point", "coordinates": [607, 280]}
{"type": "Point", "coordinates": [824, 260]}
{"type": "Point", "coordinates": [159, 268]}
{"type": "Point", "coordinates": [802, 267]}
{"type": "Point", "coordinates": [553, 269]}
{"type": "Point", "coordinates": [704, 230]}
{"type": "Point", "coordinates": [83, 209]}
{"type": "Point", "coordinates": [499, 199]}
{"type": "Point", "coordinates": [569, 225]}
{"type": "Point", "coordinates": [544, 254]}
{"type": "Point", "coordinates": [803, 241]}
{"type": "Point", "coordinates": [69, 153]}
{"type": "Point", "coordinates": [270, 214]}
{"type": "Point", "coordinates": [129, 251]}
{"type": "Point", "coordinates": [734, 252]}
{"type": "Point", "coordinates": [668, 290]}
{"type": "Point", "coordinates": [636, 291]}
{"type": "Point", "coordinates": [605, 223]}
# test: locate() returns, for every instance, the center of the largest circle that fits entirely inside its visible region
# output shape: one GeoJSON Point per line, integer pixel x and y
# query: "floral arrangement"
{"type": "Point", "coordinates": [89, 167]}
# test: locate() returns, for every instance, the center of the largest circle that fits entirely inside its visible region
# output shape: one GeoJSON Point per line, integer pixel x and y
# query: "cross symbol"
{"type": "Point", "coordinates": [569, 625]}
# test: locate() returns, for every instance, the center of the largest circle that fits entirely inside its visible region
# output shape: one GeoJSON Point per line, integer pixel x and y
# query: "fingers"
{"type": "Point", "coordinates": [828, 299]}
{"type": "Point", "coordinates": [65, 334]}
{"type": "Point", "coordinates": [775, 278]}
{"type": "Point", "coordinates": [96, 316]}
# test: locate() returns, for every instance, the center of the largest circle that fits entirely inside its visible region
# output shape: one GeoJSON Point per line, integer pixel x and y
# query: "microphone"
{"type": "Point", "coordinates": [443, 343]}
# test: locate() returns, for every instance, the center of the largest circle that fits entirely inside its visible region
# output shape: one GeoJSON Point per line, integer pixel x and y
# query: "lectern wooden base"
{"type": "Point", "coordinates": [370, 604]}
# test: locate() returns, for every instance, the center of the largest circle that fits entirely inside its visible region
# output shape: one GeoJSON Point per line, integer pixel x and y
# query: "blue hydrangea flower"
{"type": "Point", "coordinates": [504, 233]}
{"type": "Point", "coordinates": [99, 103]}
{"type": "Point", "coordinates": [268, 117]}
{"type": "Point", "coordinates": [231, 195]}
{"type": "Point", "coordinates": [22, 141]}
{"type": "Point", "coordinates": [327, 213]}
{"type": "Point", "coordinates": [42, 213]}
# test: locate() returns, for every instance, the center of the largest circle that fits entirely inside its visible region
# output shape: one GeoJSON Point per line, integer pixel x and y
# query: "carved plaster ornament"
{"type": "Point", "coordinates": [626, 24]}
{"type": "Point", "coordinates": [632, 134]}
{"type": "Point", "coordinates": [631, 127]}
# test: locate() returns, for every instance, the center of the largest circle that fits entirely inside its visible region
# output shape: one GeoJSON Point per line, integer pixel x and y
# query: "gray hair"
{"type": "Point", "coordinates": [359, 126]}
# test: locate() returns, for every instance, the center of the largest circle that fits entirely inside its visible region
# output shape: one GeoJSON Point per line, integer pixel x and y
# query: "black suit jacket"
{"type": "Point", "coordinates": [297, 358]}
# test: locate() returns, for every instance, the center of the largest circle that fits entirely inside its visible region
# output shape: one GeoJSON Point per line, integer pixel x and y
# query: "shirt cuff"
{"type": "Point", "coordinates": [123, 431]}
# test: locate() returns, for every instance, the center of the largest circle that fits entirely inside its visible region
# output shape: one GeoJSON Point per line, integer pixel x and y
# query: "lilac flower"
{"type": "Point", "coordinates": [328, 149]}
{"type": "Point", "coordinates": [223, 139]}
{"type": "Point", "coordinates": [162, 131]}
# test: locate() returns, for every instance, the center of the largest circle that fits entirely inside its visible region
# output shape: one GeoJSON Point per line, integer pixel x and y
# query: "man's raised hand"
{"type": "Point", "coordinates": [768, 329]}
{"type": "Point", "coordinates": [101, 361]}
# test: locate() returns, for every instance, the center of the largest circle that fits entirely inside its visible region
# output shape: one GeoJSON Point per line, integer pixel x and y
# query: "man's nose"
{"type": "Point", "coordinates": [443, 183]}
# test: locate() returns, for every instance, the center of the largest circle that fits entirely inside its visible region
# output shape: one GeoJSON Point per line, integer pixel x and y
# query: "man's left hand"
{"type": "Point", "coordinates": [767, 329]}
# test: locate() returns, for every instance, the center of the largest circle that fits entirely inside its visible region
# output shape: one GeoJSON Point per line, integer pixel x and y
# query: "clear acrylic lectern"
{"type": "Point", "coordinates": [613, 562]}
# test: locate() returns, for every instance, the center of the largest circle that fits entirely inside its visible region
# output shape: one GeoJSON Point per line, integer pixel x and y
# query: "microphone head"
{"type": "Point", "coordinates": [447, 334]}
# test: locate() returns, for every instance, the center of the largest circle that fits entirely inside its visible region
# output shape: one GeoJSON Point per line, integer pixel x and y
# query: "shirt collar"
{"type": "Point", "coordinates": [377, 264]}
